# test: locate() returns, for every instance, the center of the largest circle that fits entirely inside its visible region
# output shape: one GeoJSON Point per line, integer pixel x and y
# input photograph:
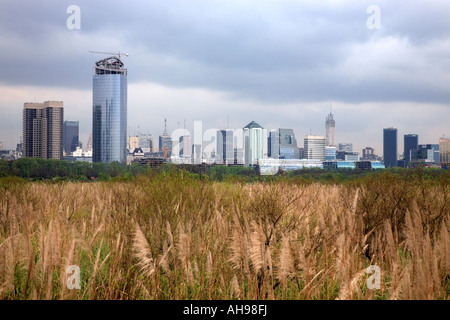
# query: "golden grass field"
{"type": "Point", "coordinates": [169, 236]}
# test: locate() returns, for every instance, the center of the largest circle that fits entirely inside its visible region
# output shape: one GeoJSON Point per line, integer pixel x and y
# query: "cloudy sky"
{"type": "Point", "coordinates": [278, 62]}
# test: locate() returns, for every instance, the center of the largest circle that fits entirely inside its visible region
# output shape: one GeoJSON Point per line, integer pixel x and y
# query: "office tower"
{"type": "Point", "coordinates": [165, 142]}
{"type": "Point", "coordinates": [347, 147]}
{"type": "Point", "coordinates": [444, 151]}
{"type": "Point", "coordinates": [330, 153]}
{"type": "Point", "coordinates": [133, 143]}
{"type": "Point", "coordinates": [288, 144]}
{"type": "Point", "coordinates": [89, 144]}
{"type": "Point", "coordinates": [274, 144]}
{"type": "Point", "coordinates": [428, 153]}
{"type": "Point", "coordinates": [109, 123]}
{"type": "Point", "coordinates": [411, 141]}
{"type": "Point", "coordinates": [71, 136]}
{"type": "Point", "coordinates": [185, 146]}
{"type": "Point", "coordinates": [368, 153]}
{"type": "Point", "coordinates": [225, 146]}
{"type": "Point", "coordinates": [146, 142]}
{"type": "Point", "coordinates": [314, 147]}
{"type": "Point", "coordinates": [43, 129]}
{"type": "Point", "coordinates": [330, 130]}
{"type": "Point", "coordinates": [390, 147]}
{"type": "Point", "coordinates": [253, 143]}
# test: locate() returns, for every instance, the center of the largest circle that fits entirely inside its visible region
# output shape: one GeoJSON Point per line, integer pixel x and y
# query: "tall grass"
{"type": "Point", "coordinates": [169, 236]}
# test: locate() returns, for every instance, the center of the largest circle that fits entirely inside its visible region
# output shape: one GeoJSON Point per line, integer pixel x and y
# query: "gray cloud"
{"type": "Point", "coordinates": [269, 53]}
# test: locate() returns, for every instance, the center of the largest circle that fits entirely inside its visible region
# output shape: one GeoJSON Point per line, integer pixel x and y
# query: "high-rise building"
{"type": "Point", "coordinates": [347, 147]}
{"type": "Point", "coordinates": [390, 147]}
{"type": "Point", "coordinates": [146, 142]}
{"type": "Point", "coordinates": [411, 141]}
{"type": "Point", "coordinates": [165, 142]}
{"type": "Point", "coordinates": [288, 144]}
{"type": "Point", "coordinates": [314, 147]}
{"type": "Point", "coordinates": [225, 146]}
{"type": "Point", "coordinates": [368, 153]}
{"type": "Point", "coordinates": [254, 138]}
{"type": "Point", "coordinates": [330, 130]}
{"type": "Point", "coordinates": [109, 123]}
{"type": "Point", "coordinates": [274, 144]}
{"type": "Point", "coordinates": [185, 146]}
{"type": "Point", "coordinates": [71, 136]}
{"type": "Point", "coordinates": [444, 151]}
{"type": "Point", "coordinates": [133, 143]}
{"type": "Point", "coordinates": [89, 144]}
{"type": "Point", "coordinates": [43, 129]}
{"type": "Point", "coordinates": [427, 153]}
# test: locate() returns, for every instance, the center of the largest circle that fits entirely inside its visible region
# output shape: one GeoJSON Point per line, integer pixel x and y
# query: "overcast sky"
{"type": "Point", "coordinates": [280, 63]}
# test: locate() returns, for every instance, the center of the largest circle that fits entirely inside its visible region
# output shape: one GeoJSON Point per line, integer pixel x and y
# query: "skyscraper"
{"type": "Point", "coordinates": [314, 147]}
{"type": "Point", "coordinates": [225, 146]}
{"type": "Point", "coordinates": [43, 129]}
{"type": "Point", "coordinates": [411, 142]}
{"type": "Point", "coordinates": [330, 129]}
{"type": "Point", "coordinates": [444, 151]}
{"type": "Point", "coordinates": [253, 143]}
{"type": "Point", "coordinates": [146, 142]}
{"type": "Point", "coordinates": [288, 144]}
{"type": "Point", "coordinates": [390, 147]}
{"type": "Point", "coordinates": [347, 147]}
{"type": "Point", "coordinates": [165, 142]}
{"type": "Point", "coordinates": [71, 133]}
{"type": "Point", "coordinates": [274, 144]}
{"type": "Point", "coordinates": [185, 146]}
{"type": "Point", "coordinates": [109, 123]}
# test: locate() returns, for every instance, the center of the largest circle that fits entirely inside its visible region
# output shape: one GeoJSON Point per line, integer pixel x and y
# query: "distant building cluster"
{"type": "Point", "coordinates": [47, 135]}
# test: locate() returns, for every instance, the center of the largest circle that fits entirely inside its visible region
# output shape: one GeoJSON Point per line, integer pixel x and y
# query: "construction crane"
{"type": "Point", "coordinates": [110, 53]}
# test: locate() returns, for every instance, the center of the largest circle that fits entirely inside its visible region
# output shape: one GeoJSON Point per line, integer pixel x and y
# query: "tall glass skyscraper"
{"type": "Point", "coordinates": [225, 147]}
{"type": "Point", "coordinates": [390, 147]}
{"type": "Point", "coordinates": [411, 142]}
{"type": "Point", "coordinates": [109, 122]}
{"type": "Point", "coordinates": [288, 144]}
{"type": "Point", "coordinates": [71, 133]}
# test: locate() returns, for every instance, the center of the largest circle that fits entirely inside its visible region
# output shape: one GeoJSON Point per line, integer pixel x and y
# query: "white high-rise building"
{"type": "Point", "coordinates": [314, 147]}
{"type": "Point", "coordinates": [255, 143]}
{"type": "Point", "coordinates": [330, 129]}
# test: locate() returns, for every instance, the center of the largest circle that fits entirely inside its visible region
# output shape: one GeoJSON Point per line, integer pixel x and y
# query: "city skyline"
{"type": "Point", "coordinates": [284, 61]}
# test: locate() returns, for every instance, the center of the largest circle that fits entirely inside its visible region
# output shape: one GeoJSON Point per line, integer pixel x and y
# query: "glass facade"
{"type": "Point", "coordinates": [410, 144]}
{"type": "Point", "coordinates": [109, 117]}
{"type": "Point", "coordinates": [390, 147]}
{"type": "Point", "coordinates": [288, 144]}
{"type": "Point", "coordinates": [274, 144]}
{"type": "Point", "coordinates": [71, 132]}
{"type": "Point", "coordinates": [225, 147]}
